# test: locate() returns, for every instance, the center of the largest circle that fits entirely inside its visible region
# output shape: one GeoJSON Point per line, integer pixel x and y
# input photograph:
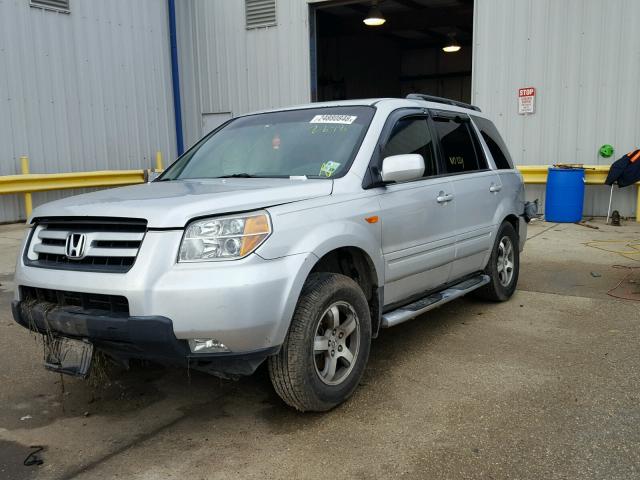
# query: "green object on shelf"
{"type": "Point", "coordinates": [606, 150]}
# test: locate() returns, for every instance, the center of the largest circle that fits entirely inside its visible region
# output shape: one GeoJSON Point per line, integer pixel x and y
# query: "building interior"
{"type": "Point", "coordinates": [399, 52]}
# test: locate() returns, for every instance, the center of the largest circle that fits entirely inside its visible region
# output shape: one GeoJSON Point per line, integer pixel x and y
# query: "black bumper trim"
{"type": "Point", "coordinates": [125, 337]}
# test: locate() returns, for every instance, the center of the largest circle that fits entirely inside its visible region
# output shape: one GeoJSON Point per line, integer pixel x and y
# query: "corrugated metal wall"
{"type": "Point", "coordinates": [583, 56]}
{"type": "Point", "coordinates": [226, 68]}
{"type": "Point", "coordinates": [89, 90]}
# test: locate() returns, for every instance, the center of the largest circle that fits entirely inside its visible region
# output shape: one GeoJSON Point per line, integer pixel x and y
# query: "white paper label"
{"type": "Point", "coordinates": [341, 119]}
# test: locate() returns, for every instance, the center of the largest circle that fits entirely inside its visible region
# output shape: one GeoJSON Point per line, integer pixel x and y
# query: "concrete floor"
{"type": "Point", "coordinates": [543, 386]}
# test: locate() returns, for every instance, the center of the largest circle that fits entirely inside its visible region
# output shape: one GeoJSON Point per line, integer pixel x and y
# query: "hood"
{"type": "Point", "coordinates": [173, 204]}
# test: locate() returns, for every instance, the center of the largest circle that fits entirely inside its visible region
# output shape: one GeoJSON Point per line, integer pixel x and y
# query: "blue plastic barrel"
{"type": "Point", "coordinates": [565, 195]}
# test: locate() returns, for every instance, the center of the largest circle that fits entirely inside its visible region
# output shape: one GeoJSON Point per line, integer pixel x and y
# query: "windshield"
{"type": "Point", "coordinates": [317, 143]}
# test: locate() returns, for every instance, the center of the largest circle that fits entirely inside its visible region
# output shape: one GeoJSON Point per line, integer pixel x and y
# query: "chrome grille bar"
{"type": "Point", "coordinates": [109, 246]}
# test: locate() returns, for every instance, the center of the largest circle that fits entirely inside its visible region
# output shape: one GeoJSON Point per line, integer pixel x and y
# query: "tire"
{"type": "Point", "coordinates": [312, 371]}
{"type": "Point", "coordinates": [503, 282]}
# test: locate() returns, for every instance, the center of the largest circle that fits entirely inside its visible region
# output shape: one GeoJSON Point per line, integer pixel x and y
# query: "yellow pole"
{"type": "Point", "coordinates": [28, 203]}
{"type": "Point", "coordinates": [638, 206]}
{"type": "Point", "coordinates": [159, 166]}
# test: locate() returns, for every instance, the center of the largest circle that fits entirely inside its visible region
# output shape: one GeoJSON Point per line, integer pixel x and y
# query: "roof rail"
{"type": "Point", "coordinates": [448, 101]}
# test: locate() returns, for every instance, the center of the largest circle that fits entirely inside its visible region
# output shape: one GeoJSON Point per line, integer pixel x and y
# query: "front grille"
{"type": "Point", "coordinates": [115, 304]}
{"type": "Point", "coordinates": [111, 245]}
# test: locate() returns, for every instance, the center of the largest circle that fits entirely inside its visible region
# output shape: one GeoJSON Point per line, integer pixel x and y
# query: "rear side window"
{"type": "Point", "coordinates": [494, 141]}
{"type": "Point", "coordinates": [412, 135]}
{"type": "Point", "coordinates": [459, 150]}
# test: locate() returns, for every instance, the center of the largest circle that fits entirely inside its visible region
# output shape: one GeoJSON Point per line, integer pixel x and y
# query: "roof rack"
{"type": "Point", "coordinates": [447, 101]}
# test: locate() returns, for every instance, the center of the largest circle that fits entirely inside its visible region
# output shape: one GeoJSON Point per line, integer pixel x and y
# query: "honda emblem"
{"type": "Point", "coordinates": [75, 245]}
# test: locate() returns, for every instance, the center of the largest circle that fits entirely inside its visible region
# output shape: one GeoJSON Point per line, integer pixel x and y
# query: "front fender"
{"type": "Point", "coordinates": [326, 227]}
{"type": "Point", "coordinates": [317, 227]}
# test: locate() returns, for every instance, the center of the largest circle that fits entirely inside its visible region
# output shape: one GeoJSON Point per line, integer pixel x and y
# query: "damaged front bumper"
{"type": "Point", "coordinates": [126, 337]}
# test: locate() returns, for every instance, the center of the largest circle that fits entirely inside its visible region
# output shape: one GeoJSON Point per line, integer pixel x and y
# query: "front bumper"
{"type": "Point", "coordinates": [246, 304]}
{"type": "Point", "coordinates": [124, 338]}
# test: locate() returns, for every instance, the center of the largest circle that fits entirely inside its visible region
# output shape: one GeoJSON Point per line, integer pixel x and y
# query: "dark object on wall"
{"type": "Point", "coordinates": [625, 171]}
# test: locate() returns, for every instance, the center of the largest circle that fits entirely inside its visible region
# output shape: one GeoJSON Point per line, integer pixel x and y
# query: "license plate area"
{"type": "Point", "coordinates": [68, 356]}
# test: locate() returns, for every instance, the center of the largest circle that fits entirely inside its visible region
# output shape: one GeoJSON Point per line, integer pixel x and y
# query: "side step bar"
{"type": "Point", "coordinates": [402, 314]}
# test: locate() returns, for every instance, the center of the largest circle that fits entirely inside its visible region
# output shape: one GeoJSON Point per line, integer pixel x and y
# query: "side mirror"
{"type": "Point", "coordinates": [402, 168]}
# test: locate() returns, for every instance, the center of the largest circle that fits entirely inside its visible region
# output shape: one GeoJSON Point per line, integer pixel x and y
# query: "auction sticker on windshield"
{"type": "Point", "coordinates": [342, 119]}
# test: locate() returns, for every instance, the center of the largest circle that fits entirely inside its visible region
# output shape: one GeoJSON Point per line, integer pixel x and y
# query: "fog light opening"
{"type": "Point", "coordinates": [207, 345]}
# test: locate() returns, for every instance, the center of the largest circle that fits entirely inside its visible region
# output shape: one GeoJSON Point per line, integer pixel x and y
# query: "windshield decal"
{"type": "Point", "coordinates": [328, 168]}
{"type": "Point", "coordinates": [341, 119]}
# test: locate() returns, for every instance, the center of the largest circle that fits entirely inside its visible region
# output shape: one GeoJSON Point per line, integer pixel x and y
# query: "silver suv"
{"type": "Point", "coordinates": [291, 236]}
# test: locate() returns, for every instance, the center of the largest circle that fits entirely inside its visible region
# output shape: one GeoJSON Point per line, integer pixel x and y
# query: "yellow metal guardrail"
{"type": "Point", "coordinates": [33, 182]}
{"type": "Point", "coordinates": [537, 174]}
{"type": "Point", "coordinates": [28, 183]}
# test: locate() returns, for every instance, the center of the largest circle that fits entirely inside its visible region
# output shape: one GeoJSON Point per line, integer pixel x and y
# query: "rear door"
{"type": "Point", "coordinates": [418, 217]}
{"type": "Point", "coordinates": [476, 188]}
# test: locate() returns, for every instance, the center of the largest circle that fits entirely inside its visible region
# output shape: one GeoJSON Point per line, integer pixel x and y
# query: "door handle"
{"type": "Point", "coordinates": [495, 188]}
{"type": "Point", "coordinates": [444, 197]}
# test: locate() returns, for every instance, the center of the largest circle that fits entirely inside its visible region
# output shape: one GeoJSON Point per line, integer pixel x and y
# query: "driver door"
{"type": "Point", "coordinates": [418, 217]}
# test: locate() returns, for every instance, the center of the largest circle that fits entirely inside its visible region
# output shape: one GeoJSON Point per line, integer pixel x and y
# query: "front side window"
{"type": "Point", "coordinates": [458, 147]}
{"type": "Point", "coordinates": [317, 143]}
{"type": "Point", "coordinates": [412, 135]}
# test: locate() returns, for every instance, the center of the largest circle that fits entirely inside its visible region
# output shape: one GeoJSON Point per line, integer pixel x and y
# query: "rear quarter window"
{"type": "Point", "coordinates": [494, 141]}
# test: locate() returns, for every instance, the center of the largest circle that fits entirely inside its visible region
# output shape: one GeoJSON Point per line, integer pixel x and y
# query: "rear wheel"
{"type": "Point", "coordinates": [327, 347]}
{"type": "Point", "coordinates": [503, 267]}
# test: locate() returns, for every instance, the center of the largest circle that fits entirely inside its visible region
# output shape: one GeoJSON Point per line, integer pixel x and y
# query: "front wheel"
{"type": "Point", "coordinates": [326, 350]}
{"type": "Point", "coordinates": [503, 267]}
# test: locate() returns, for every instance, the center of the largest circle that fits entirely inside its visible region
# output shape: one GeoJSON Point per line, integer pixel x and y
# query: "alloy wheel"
{"type": "Point", "coordinates": [505, 261]}
{"type": "Point", "coordinates": [336, 343]}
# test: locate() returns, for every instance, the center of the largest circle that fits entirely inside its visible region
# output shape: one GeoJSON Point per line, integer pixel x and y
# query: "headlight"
{"type": "Point", "coordinates": [224, 238]}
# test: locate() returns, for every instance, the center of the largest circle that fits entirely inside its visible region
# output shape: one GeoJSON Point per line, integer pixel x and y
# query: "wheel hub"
{"type": "Point", "coordinates": [505, 261]}
{"type": "Point", "coordinates": [336, 343]}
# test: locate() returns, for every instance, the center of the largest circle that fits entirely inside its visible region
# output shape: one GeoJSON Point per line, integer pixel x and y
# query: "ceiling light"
{"type": "Point", "coordinates": [375, 17]}
{"type": "Point", "coordinates": [452, 45]}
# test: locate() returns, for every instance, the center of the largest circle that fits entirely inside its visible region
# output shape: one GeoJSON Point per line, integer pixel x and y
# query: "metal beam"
{"type": "Point", "coordinates": [175, 77]}
{"type": "Point", "coordinates": [411, 4]}
{"type": "Point", "coordinates": [358, 8]}
{"type": "Point", "coordinates": [418, 20]}
{"type": "Point", "coordinates": [42, 182]}
{"type": "Point", "coordinates": [435, 76]}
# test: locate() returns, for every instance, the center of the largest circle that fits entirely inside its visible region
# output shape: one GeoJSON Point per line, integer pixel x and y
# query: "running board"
{"type": "Point", "coordinates": [402, 314]}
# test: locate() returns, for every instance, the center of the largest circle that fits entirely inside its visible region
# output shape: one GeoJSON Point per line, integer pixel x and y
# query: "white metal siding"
{"type": "Point", "coordinates": [226, 68]}
{"type": "Point", "coordinates": [583, 56]}
{"type": "Point", "coordinates": [89, 90]}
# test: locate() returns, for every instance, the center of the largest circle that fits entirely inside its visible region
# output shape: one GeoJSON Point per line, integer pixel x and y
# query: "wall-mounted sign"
{"type": "Point", "coordinates": [526, 100]}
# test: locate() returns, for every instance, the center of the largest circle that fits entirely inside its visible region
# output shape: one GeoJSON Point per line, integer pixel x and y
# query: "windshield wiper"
{"type": "Point", "coordinates": [239, 175]}
{"type": "Point", "coordinates": [252, 175]}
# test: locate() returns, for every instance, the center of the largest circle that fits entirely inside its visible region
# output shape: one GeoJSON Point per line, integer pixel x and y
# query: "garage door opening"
{"type": "Point", "coordinates": [352, 60]}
